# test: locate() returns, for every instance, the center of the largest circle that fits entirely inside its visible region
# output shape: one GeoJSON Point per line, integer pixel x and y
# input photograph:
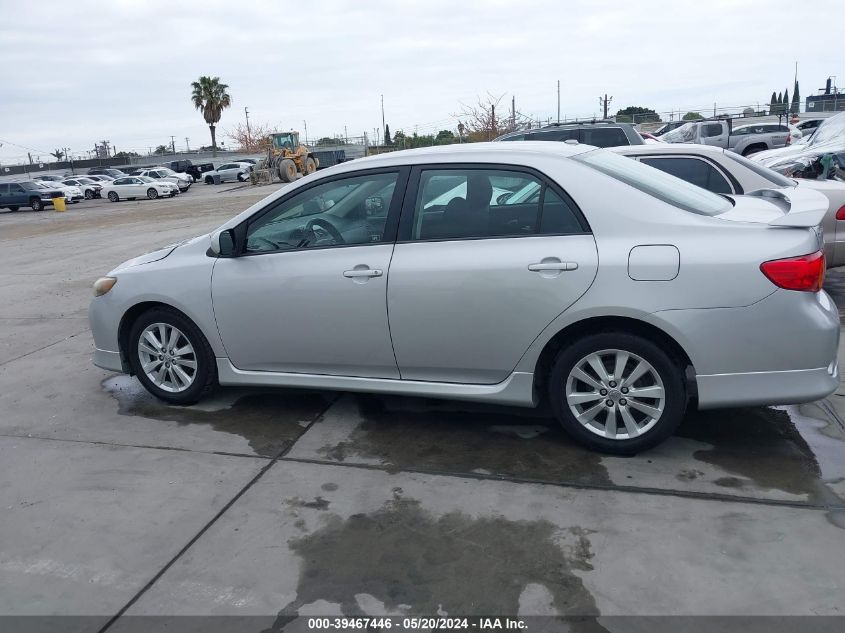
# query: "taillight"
{"type": "Point", "coordinates": [840, 215]}
{"type": "Point", "coordinates": [805, 272]}
{"type": "Point", "coordinates": [789, 138]}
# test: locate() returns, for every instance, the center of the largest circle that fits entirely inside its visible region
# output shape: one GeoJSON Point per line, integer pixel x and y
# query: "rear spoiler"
{"type": "Point", "coordinates": [801, 207]}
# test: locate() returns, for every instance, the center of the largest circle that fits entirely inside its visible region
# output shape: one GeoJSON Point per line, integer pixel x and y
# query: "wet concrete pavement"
{"type": "Point", "coordinates": [282, 502]}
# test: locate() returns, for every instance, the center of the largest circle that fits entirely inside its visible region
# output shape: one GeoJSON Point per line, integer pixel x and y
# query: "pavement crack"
{"type": "Point", "coordinates": [35, 351]}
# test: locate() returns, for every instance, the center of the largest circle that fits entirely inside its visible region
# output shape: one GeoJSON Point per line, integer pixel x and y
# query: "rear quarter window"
{"type": "Point", "coordinates": [604, 136]}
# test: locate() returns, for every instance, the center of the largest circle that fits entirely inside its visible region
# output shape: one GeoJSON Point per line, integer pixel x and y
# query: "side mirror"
{"type": "Point", "coordinates": [373, 205]}
{"type": "Point", "coordinates": [223, 243]}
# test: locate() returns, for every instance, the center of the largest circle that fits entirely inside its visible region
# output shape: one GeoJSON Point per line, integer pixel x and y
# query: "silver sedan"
{"type": "Point", "coordinates": [618, 293]}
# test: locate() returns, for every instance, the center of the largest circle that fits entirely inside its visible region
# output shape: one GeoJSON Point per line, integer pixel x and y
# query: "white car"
{"type": "Point", "coordinates": [132, 187]}
{"type": "Point", "coordinates": [48, 184]}
{"type": "Point", "coordinates": [90, 188]}
{"type": "Point", "coordinates": [183, 181]}
{"type": "Point", "coordinates": [102, 179]}
{"type": "Point", "coordinates": [49, 178]}
{"type": "Point", "coordinates": [229, 171]}
{"type": "Point", "coordinates": [72, 193]}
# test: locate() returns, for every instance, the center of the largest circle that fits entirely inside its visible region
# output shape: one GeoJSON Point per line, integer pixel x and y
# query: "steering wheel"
{"type": "Point", "coordinates": [328, 227]}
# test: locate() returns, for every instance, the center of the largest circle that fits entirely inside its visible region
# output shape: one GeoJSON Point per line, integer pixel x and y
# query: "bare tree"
{"type": "Point", "coordinates": [255, 138]}
{"type": "Point", "coordinates": [487, 120]}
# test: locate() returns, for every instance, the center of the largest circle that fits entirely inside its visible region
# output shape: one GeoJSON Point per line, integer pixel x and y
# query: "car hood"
{"type": "Point", "coordinates": [157, 254]}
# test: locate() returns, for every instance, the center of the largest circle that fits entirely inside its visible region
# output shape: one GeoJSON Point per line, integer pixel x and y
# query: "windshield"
{"type": "Point", "coordinates": [656, 183]}
{"type": "Point", "coordinates": [683, 134]}
{"type": "Point", "coordinates": [283, 140]}
{"type": "Point", "coordinates": [764, 172]}
{"type": "Point", "coordinates": [145, 178]}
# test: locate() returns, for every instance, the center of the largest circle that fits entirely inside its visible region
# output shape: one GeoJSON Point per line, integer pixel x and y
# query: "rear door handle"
{"type": "Point", "coordinates": [552, 266]}
{"type": "Point", "coordinates": [363, 272]}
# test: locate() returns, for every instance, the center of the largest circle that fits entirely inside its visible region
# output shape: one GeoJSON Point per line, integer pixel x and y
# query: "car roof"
{"type": "Point", "coordinates": [489, 152]}
{"type": "Point", "coordinates": [667, 148]}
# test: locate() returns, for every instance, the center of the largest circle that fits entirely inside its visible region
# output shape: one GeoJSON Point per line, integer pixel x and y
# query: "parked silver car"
{"type": "Point", "coordinates": [737, 136]}
{"type": "Point", "coordinates": [621, 294]}
{"type": "Point", "coordinates": [725, 172]}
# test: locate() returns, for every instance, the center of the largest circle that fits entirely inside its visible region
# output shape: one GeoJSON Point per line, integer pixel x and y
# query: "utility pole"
{"type": "Point", "coordinates": [187, 145]}
{"type": "Point", "coordinates": [305, 125]}
{"type": "Point", "coordinates": [714, 109]}
{"type": "Point", "coordinates": [513, 112]}
{"type": "Point", "coordinates": [173, 143]}
{"type": "Point", "coordinates": [558, 100]}
{"type": "Point", "coordinates": [248, 134]}
{"type": "Point", "coordinates": [383, 124]}
{"type": "Point", "coordinates": [69, 159]}
{"type": "Point", "coordinates": [604, 103]}
{"type": "Point", "coordinates": [492, 122]}
{"type": "Point", "coordinates": [345, 136]}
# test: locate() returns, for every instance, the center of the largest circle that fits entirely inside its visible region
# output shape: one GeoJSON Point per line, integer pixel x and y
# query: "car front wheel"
{"type": "Point", "coordinates": [36, 204]}
{"type": "Point", "coordinates": [152, 194]}
{"type": "Point", "coordinates": [171, 357]}
{"type": "Point", "coordinates": [617, 393]}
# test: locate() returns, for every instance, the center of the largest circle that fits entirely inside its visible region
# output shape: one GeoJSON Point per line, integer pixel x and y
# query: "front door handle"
{"type": "Point", "coordinates": [362, 272]}
{"type": "Point", "coordinates": [552, 266]}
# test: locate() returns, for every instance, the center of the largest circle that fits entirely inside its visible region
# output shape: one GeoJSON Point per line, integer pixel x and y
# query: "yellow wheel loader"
{"type": "Point", "coordinates": [287, 158]}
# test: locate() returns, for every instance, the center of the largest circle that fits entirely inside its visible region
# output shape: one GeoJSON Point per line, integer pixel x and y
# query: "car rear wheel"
{"type": "Point", "coordinates": [171, 357]}
{"type": "Point", "coordinates": [152, 194]}
{"type": "Point", "coordinates": [113, 196]}
{"type": "Point", "coordinates": [209, 180]}
{"type": "Point", "coordinates": [13, 208]}
{"type": "Point", "coordinates": [617, 393]}
{"type": "Point", "coordinates": [36, 204]}
{"type": "Point", "coordinates": [241, 177]}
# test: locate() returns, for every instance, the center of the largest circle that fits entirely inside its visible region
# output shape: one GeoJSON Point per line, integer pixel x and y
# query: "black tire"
{"type": "Point", "coordinates": [36, 204]}
{"type": "Point", "coordinates": [113, 197]}
{"type": "Point", "coordinates": [205, 379]}
{"type": "Point", "coordinates": [209, 180]}
{"type": "Point", "coordinates": [15, 208]}
{"type": "Point", "coordinates": [241, 177]}
{"type": "Point", "coordinates": [670, 373]}
{"type": "Point", "coordinates": [287, 170]}
{"type": "Point", "coordinates": [89, 195]}
{"type": "Point", "coordinates": [310, 166]}
{"type": "Point", "coordinates": [152, 193]}
{"type": "Point", "coordinates": [753, 149]}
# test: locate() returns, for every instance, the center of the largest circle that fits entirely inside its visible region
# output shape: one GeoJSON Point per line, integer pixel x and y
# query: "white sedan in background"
{"type": "Point", "coordinates": [132, 187]}
{"type": "Point", "coordinates": [229, 171]}
{"type": "Point", "coordinates": [90, 188]}
{"type": "Point", "coordinates": [72, 193]}
{"type": "Point", "coordinates": [183, 181]}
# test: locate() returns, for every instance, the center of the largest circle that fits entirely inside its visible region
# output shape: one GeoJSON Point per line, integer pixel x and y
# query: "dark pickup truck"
{"type": "Point", "coordinates": [187, 167]}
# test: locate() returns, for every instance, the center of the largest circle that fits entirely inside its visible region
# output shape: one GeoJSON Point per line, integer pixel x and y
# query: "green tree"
{"type": "Point", "coordinates": [161, 149]}
{"type": "Point", "coordinates": [780, 104]}
{"type": "Point", "coordinates": [127, 154]}
{"type": "Point", "coordinates": [210, 97]}
{"type": "Point", "coordinates": [796, 99]}
{"type": "Point", "coordinates": [399, 139]}
{"type": "Point", "coordinates": [785, 107]}
{"type": "Point", "coordinates": [387, 140]}
{"type": "Point", "coordinates": [637, 114]}
{"type": "Point", "coordinates": [773, 104]}
{"type": "Point", "coordinates": [445, 137]}
{"type": "Point", "coordinates": [58, 154]}
{"type": "Point", "coordinates": [692, 116]}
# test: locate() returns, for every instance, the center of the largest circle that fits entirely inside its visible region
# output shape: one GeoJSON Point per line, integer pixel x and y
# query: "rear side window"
{"type": "Point", "coordinates": [478, 203]}
{"type": "Point", "coordinates": [693, 170]}
{"type": "Point", "coordinates": [604, 136]}
{"type": "Point", "coordinates": [553, 135]}
{"type": "Point", "coordinates": [711, 129]}
{"type": "Point", "coordinates": [656, 183]}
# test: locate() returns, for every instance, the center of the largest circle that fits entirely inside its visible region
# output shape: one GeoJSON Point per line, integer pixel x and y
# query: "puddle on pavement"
{"type": "Point", "coordinates": [465, 437]}
{"type": "Point", "coordinates": [268, 420]}
{"type": "Point", "coordinates": [407, 561]}
{"type": "Point", "coordinates": [760, 447]}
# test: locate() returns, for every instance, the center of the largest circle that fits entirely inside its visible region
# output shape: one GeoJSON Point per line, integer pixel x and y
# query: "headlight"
{"type": "Point", "coordinates": [103, 285]}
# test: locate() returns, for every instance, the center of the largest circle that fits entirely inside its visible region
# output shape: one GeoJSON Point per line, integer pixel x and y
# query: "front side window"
{"type": "Point", "coordinates": [604, 136]}
{"type": "Point", "coordinates": [478, 203]}
{"type": "Point", "coordinates": [345, 211]}
{"type": "Point", "coordinates": [17, 188]}
{"type": "Point", "coordinates": [693, 170]}
{"type": "Point", "coordinates": [656, 183]}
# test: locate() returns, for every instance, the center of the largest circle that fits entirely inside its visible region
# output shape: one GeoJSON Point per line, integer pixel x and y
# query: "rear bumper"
{"type": "Point", "coordinates": [105, 359]}
{"type": "Point", "coordinates": [767, 388]}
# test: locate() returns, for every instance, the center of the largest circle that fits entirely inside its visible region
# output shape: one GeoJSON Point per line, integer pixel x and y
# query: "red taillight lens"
{"type": "Point", "coordinates": [805, 272]}
{"type": "Point", "coordinates": [840, 215]}
{"type": "Point", "coordinates": [788, 139]}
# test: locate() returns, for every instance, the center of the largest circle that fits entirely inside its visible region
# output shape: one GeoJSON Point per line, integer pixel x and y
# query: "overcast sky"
{"type": "Point", "coordinates": [121, 70]}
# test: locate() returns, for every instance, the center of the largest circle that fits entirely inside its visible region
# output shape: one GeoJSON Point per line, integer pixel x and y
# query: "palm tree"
{"type": "Point", "coordinates": [210, 97]}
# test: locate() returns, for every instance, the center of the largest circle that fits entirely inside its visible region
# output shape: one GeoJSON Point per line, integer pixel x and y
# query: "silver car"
{"type": "Point", "coordinates": [620, 294]}
{"type": "Point", "coordinates": [726, 172]}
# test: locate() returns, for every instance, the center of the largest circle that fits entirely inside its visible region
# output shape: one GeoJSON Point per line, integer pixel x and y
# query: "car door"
{"type": "Point", "coordinates": [715, 134]}
{"type": "Point", "coordinates": [474, 281]}
{"type": "Point", "coordinates": [18, 196]}
{"type": "Point", "coordinates": [307, 291]}
{"type": "Point", "coordinates": [228, 172]}
{"type": "Point", "coordinates": [5, 199]}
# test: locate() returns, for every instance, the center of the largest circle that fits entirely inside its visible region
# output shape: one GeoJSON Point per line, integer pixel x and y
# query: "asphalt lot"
{"type": "Point", "coordinates": [279, 502]}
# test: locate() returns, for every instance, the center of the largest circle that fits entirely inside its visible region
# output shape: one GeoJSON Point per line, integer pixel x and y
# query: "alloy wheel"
{"type": "Point", "coordinates": [615, 394]}
{"type": "Point", "coordinates": [167, 357]}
